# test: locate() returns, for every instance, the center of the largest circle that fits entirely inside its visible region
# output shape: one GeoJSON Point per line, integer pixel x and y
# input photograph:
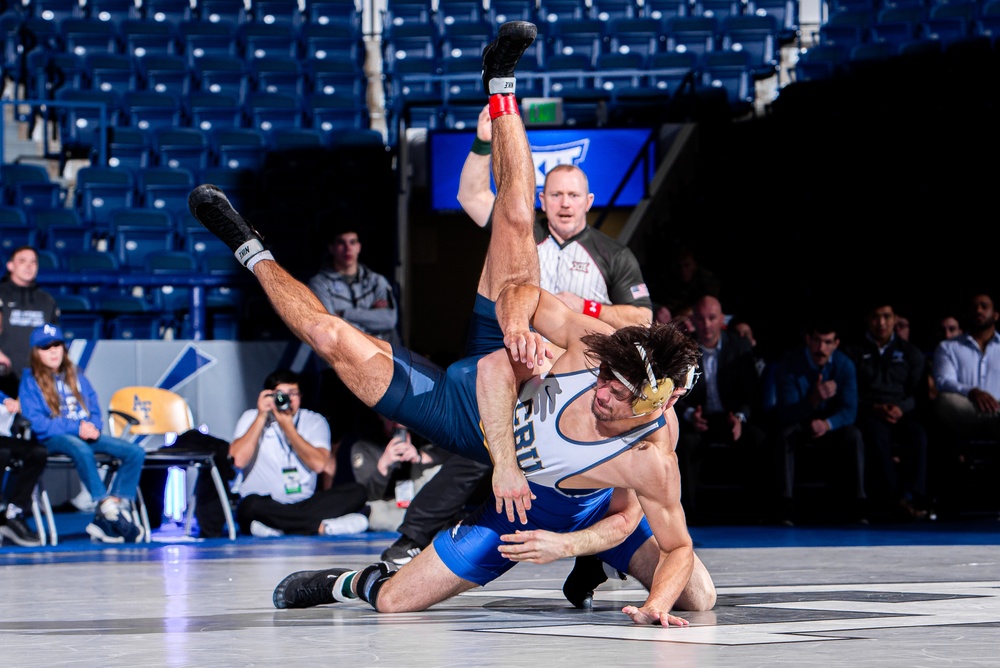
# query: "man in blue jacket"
{"type": "Point", "coordinates": [816, 405]}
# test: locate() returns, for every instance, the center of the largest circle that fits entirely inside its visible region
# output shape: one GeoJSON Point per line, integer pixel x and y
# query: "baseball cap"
{"type": "Point", "coordinates": [46, 334]}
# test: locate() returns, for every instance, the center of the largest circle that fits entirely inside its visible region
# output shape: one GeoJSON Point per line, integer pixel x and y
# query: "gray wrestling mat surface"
{"type": "Point", "coordinates": [787, 596]}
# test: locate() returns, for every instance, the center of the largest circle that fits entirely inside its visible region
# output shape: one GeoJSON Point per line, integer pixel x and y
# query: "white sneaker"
{"type": "Point", "coordinates": [84, 502]}
{"type": "Point", "coordinates": [349, 523]}
{"type": "Point", "coordinates": [261, 530]}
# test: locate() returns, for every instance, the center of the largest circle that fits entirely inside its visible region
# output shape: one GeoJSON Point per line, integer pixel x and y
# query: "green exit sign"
{"type": "Point", "coordinates": [542, 111]}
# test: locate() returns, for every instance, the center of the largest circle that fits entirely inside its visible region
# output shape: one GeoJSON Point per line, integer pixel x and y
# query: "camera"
{"type": "Point", "coordinates": [399, 432]}
{"type": "Point", "coordinates": [282, 401]}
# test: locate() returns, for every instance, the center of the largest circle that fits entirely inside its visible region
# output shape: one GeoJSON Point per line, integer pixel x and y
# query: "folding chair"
{"type": "Point", "coordinates": [152, 415]}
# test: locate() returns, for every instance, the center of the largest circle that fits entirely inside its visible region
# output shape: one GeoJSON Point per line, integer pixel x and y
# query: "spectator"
{"type": "Point", "coordinates": [742, 328]}
{"type": "Point", "coordinates": [947, 328]}
{"type": "Point", "coordinates": [902, 327]}
{"type": "Point", "coordinates": [661, 314]}
{"type": "Point", "coordinates": [393, 473]}
{"type": "Point", "coordinates": [16, 444]}
{"type": "Point", "coordinates": [719, 409]}
{"type": "Point", "coordinates": [890, 373]}
{"type": "Point", "coordinates": [350, 289]}
{"type": "Point", "coordinates": [65, 415]}
{"type": "Point", "coordinates": [966, 372]}
{"type": "Point", "coordinates": [816, 405]}
{"type": "Point", "coordinates": [279, 449]}
{"type": "Point", "coordinates": [687, 279]}
{"type": "Point", "coordinates": [23, 307]}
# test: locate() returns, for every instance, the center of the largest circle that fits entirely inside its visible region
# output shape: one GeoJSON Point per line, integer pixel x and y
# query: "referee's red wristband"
{"type": "Point", "coordinates": [592, 308]}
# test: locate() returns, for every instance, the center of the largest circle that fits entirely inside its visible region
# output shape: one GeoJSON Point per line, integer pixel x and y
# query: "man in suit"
{"type": "Point", "coordinates": [716, 414]}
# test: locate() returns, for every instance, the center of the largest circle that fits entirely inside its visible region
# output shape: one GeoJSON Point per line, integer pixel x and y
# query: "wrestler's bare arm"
{"type": "Point", "coordinates": [541, 547]}
{"type": "Point", "coordinates": [657, 486]}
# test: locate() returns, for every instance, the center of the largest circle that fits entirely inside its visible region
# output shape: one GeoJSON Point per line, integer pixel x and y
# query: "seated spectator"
{"type": "Point", "coordinates": [816, 405]}
{"type": "Point", "coordinates": [279, 449]}
{"type": "Point", "coordinates": [890, 373]}
{"type": "Point", "coordinates": [967, 374]}
{"type": "Point", "coordinates": [65, 415]}
{"type": "Point", "coordinates": [392, 473]}
{"type": "Point", "coordinates": [16, 444]}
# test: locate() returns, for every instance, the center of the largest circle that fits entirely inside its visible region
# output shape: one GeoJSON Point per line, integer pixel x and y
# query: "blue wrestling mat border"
{"type": "Point", "coordinates": [75, 545]}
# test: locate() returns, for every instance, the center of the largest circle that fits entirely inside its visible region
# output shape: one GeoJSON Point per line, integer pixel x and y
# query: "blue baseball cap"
{"type": "Point", "coordinates": [46, 334]}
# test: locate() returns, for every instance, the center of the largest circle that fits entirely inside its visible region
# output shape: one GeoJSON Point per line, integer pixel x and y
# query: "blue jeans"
{"type": "Point", "coordinates": [82, 452]}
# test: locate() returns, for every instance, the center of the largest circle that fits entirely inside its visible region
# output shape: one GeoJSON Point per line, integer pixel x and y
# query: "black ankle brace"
{"type": "Point", "coordinates": [370, 581]}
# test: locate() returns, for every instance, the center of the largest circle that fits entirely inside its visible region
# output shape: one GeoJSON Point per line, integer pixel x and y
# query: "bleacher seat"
{"type": "Point", "coordinates": [581, 36]}
{"type": "Point", "coordinates": [332, 40]}
{"type": "Point", "coordinates": [15, 230]}
{"type": "Point", "coordinates": [56, 10]}
{"type": "Point", "coordinates": [278, 74]}
{"type": "Point", "coordinates": [398, 13]}
{"type": "Point", "coordinates": [112, 11]}
{"type": "Point", "coordinates": [129, 318]}
{"type": "Point", "coordinates": [719, 9]}
{"type": "Point", "coordinates": [327, 12]}
{"type": "Point", "coordinates": [127, 147]}
{"type": "Point", "coordinates": [642, 35]}
{"type": "Point", "coordinates": [79, 117]}
{"type": "Point", "coordinates": [168, 11]}
{"type": "Point", "coordinates": [266, 111]}
{"type": "Point", "coordinates": [142, 37]}
{"type": "Point", "coordinates": [100, 190]}
{"type": "Point", "coordinates": [181, 147]}
{"type": "Point", "coordinates": [329, 113]}
{"type": "Point", "coordinates": [266, 40]}
{"type": "Point", "coordinates": [237, 148]}
{"type": "Point", "coordinates": [151, 110]}
{"type": "Point", "coordinates": [554, 11]}
{"type": "Point", "coordinates": [240, 186]}
{"type": "Point", "coordinates": [209, 111]}
{"type": "Point", "coordinates": [332, 75]}
{"type": "Point", "coordinates": [218, 11]}
{"type": "Point", "coordinates": [83, 36]}
{"type": "Point", "coordinates": [63, 230]}
{"type": "Point", "coordinates": [846, 28]}
{"type": "Point", "coordinates": [109, 72]}
{"type": "Point", "coordinates": [820, 62]}
{"type": "Point", "coordinates": [502, 11]}
{"type": "Point", "coordinates": [277, 12]}
{"type": "Point", "coordinates": [951, 21]}
{"type": "Point", "coordinates": [164, 188]}
{"type": "Point", "coordinates": [785, 11]}
{"type": "Point", "coordinates": [165, 73]}
{"type": "Point", "coordinates": [136, 232]}
{"type": "Point", "coordinates": [454, 12]}
{"type": "Point", "coordinates": [691, 33]}
{"type": "Point", "coordinates": [30, 187]}
{"type": "Point", "coordinates": [202, 38]}
{"type": "Point", "coordinates": [611, 10]}
{"type": "Point", "coordinates": [732, 72]}
{"type": "Point", "coordinates": [758, 37]}
{"type": "Point", "coordinates": [897, 24]}
{"type": "Point", "coordinates": [222, 73]}
{"type": "Point", "coordinates": [662, 10]}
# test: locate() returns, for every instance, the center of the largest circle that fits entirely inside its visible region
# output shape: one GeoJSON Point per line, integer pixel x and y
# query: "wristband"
{"type": "Point", "coordinates": [501, 105]}
{"type": "Point", "coordinates": [480, 147]}
{"type": "Point", "coordinates": [592, 308]}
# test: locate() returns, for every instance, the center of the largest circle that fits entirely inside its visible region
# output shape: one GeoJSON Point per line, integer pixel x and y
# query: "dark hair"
{"type": "Point", "coordinates": [281, 376]}
{"type": "Point", "coordinates": [671, 352]}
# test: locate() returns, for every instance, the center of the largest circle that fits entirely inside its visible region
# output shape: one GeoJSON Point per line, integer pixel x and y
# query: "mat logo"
{"type": "Point", "coordinates": [795, 614]}
{"type": "Point", "coordinates": [548, 157]}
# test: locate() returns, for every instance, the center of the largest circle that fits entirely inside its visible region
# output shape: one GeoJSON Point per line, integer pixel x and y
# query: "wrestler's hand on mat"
{"type": "Point", "coordinates": [537, 546]}
{"type": "Point", "coordinates": [647, 616]}
{"type": "Point", "coordinates": [527, 346]}
{"type": "Point", "coordinates": [512, 492]}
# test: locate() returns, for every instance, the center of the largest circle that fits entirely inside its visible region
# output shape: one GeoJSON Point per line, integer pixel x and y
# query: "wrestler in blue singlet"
{"type": "Point", "coordinates": [441, 405]}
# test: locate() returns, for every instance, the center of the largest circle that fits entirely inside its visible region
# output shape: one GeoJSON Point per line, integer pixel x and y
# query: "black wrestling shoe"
{"type": "Point", "coordinates": [305, 589]}
{"type": "Point", "coordinates": [501, 55]}
{"type": "Point", "coordinates": [587, 574]}
{"type": "Point", "coordinates": [402, 551]}
{"type": "Point", "coordinates": [212, 209]}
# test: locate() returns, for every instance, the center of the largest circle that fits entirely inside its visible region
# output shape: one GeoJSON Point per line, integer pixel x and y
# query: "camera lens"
{"type": "Point", "coordinates": [282, 401]}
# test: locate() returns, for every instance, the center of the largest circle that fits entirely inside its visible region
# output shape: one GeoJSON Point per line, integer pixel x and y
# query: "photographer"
{"type": "Point", "coordinates": [279, 449]}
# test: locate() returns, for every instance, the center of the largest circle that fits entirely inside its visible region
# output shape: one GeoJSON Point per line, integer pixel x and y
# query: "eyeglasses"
{"type": "Point", "coordinates": [48, 346]}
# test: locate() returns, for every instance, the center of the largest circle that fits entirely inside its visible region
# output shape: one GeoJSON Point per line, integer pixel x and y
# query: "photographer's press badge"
{"type": "Point", "coordinates": [292, 483]}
